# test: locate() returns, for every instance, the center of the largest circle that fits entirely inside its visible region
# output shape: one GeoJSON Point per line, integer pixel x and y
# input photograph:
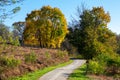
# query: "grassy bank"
{"type": "Point", "coordinates": [16, 61]}
{"type": "Point", "coordinates": [79, 74]}
{"type": "Point", "coordinates": [37, 74]}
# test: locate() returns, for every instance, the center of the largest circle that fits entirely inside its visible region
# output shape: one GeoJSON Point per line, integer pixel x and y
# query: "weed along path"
{"type": "Point", "coordinates": [63, 72]}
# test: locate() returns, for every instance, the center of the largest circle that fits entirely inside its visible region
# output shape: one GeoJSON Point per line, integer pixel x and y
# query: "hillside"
{"type": "Point", "coordinates": [15, 61]}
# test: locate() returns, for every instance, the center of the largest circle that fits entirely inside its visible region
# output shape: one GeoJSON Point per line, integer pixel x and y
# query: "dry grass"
{"type": "Point", "coordinates": [44, 58]}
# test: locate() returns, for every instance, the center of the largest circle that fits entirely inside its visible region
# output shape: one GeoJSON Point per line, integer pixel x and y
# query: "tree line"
{"type": "Point", "coordinates": [88, 35]}
{"type": "Point", "coordinates": [47, 27]}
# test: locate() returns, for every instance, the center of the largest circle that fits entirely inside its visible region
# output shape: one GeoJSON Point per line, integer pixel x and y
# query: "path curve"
{"type": "Point", "coordinates": [63, 72]}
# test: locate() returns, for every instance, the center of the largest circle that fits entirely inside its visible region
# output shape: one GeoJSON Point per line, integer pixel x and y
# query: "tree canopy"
{"type": "Point", "coordinates": [6, 37]}
{"type": "Point", "coordinates": [18, 30]}
{"type": "Point", "coordinates": [92, 37]}
{"type": "Point", "coordinates": [4, 32]}
{"type": "Point", "coordinates": [4, 12]}
{"type": "Point", "coordinates": [46, 27]}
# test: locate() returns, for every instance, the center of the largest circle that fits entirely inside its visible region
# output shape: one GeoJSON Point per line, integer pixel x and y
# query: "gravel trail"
{"type": "Point", "coordinates": [63, 72]}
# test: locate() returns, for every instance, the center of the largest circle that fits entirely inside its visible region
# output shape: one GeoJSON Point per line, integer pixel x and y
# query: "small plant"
{"type": "Point", "coordinates": [14, 41]}
{"type": "Point", "coordinates": [30, 58]}
{"type": "Point", "coordinates": [6, 61]}
{"type": "Point", "coordinates": [47, 54]}
{"type": "Point", "coordinates": [62, 53]}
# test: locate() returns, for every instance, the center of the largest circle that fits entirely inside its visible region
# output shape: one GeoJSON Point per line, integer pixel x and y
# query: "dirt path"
{"type": "Point", "coordinates": [62, 73]}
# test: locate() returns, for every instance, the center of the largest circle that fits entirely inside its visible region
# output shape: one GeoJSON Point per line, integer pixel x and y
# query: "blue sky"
{"type": "Point", "coordinates": [68, 7]}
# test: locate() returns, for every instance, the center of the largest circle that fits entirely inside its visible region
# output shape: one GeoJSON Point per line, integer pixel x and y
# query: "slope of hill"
{"type": "Point", "coordinates": [15, 61]}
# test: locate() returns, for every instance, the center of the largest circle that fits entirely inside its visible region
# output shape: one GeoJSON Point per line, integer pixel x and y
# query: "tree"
{"type": "Point", "coordinates": [4, 32]}
{"type": "Point", "coordinates": [46, 27]}
{"type": "Point", "coordinates": [93, 28]}
{"type": "Point", "coordinates": [6, 37]}
{"type": "Point", "coordinates": [91, 36]}
{"type": "Point", "coordinates": [118, 42]}
{"type": "Point", "coordinates": [18, 30]}
{"type": "Point", "coordinates": [4, 13]}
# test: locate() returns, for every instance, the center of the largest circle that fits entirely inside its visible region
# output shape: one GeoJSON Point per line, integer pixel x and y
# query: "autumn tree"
{"type": "Point", "coordinates": [46, 27]}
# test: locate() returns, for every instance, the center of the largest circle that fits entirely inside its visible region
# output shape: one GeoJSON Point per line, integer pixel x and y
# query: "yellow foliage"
{"type": "Point", "coordinates": [46, 27]}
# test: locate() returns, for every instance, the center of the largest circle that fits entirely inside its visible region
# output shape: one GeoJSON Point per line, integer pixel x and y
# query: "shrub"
{"type": "Point", "coordinates": [102, 57]}
{"type": "Point", "coordinates": [14, 41]}
{"type": "Point", "coordinates": [113, 65]}
{"type": "Point", "coordinates": [118, 60]}
{"type": "Point", "coordinates": [30, 58]}
{"type": "Point", "coordinates": [95, 67]}
{"type": "Point", "coordinates": [47, 54]}
{"type": "Point", "coordinates": [62, 53]}
{"type": "Point", "coordinates": [114, 61]}
{"type": "Point", "coordinates": [9, 61]}
{"type": "Point", "coordinates": [105, 62]}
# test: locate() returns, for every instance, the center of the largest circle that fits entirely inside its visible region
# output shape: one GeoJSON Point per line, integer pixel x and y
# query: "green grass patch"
{"type": "Point", "coordinates": [37, 74]}
{"type": "Point", "coordinates": [79, 74]}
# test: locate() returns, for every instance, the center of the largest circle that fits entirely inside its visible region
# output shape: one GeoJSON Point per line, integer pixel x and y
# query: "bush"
{"type": "Point", "coordinates": [15, 41]}
{"type": "Point", "coordinates": [105, 62]}
{"type": "Point", "coordinates": [96, 68]}
{"type": "Point", "coordinates": [48, 55]}
{"type": "Point", "coordinates": [98, 64]}
{"type": "Point", "coordinates": [62, 53]}
{"type": "Point", "coordinates": [118, 60]}
{"type": "Point", "coordinates": [30, 58]}
{"type": "Point", "coordinates": [114, 61]}
{"type": "Point", "coordinates": [102, 57]}
{"type": "Point", "coordinates": [113, 65]}
{"type": "Point", "coordinates": [9, 61]}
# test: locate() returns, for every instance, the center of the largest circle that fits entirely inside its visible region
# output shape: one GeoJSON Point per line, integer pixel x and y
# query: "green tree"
{"type": "Point", "coordinates": [4, 31]}
{"type": "Point", "coordinates": [118, 42]}
{"type": "Point", "coordinates": [46, 27]}
{"type": "Point", "coordinates": [91, 36]}
{"type": "Point", "coordinates": [6, 37]}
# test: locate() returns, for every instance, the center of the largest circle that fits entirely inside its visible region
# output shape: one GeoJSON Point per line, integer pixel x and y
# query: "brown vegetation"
{"type": "Point", "coordinates": [27, 59]}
